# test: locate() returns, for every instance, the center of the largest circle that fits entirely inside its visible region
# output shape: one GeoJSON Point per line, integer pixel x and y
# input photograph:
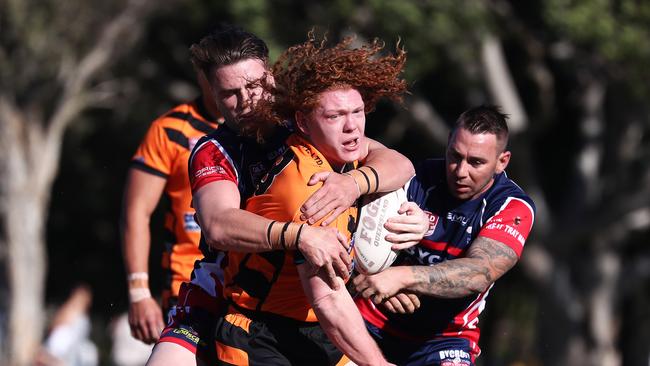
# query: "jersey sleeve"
{"type": "Point", "coordinates": [208, 163]}
{"type": "Point", "coordinates": [511, 224]}
{"type": "Point", "coordinates": [155, 154]}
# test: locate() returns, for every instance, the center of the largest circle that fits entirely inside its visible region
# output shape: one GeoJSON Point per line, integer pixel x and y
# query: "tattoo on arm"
{"type": "Point", "coordinates": [486, 261]}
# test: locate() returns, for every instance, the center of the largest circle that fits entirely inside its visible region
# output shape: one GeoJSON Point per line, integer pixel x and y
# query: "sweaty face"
{"type": "Point", "coordinates": [236, 88]}
{"type": "Point", "coordinates": [472, 161]}
{"type": "Point", "coordinates": [336, 125]}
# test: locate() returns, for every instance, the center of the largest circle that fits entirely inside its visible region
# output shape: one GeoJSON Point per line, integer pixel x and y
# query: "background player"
{"type": "Point", "coordinates": [160, 165]}
{"type": "Point", "coordinates": [479, 222]}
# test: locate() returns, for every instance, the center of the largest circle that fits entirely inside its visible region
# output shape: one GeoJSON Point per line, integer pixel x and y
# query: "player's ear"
{"type": "Point", "coordinates": [502, 162]}
{"type": "Point", "coordinates": [301, 122]}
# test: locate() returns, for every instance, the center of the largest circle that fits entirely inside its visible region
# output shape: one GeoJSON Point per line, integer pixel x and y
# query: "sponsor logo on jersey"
{"type": "Point", "coordinates": [433, 222]}
{"type": "Point", "coordinates": [508, 230]}
{"type": "Point", "coordinates": [189, 223]}
{"type": "Point", "coordinates": [313, 154]}
{"type": "Point", "coordinates": [454, 217]}
{"type": "Point", "coordinates": [209, 170]}
{"type": "Point", "coordinates": [423, 256]}
{"type": "Point", "coordinates": [454, 357]}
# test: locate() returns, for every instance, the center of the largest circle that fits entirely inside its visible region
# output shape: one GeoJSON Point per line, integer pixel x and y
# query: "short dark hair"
{"type": "Point", "coordinates": [484, 119]}
{"type": "Point", "coordinates": [226, 45]}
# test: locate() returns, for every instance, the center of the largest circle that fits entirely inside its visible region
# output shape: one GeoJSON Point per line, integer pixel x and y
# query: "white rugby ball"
{"type": "Point", "coordinates": [372, 253]}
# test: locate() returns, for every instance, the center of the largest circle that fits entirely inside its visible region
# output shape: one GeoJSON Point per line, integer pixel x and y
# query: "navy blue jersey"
{"type": "Point", "coordinates": [503, 213]}
{"type": "Point", "coordinates": [225, 155]}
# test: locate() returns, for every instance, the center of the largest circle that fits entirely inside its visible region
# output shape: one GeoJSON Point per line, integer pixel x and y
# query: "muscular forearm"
{"type": "Point", "coordinates": [393, 168]}
{"type": "Point", "coordinates": [142, 192]}
{"type": "Point", "coordinates": [237, 230]}
{"type": "Point", "coordinates": [486, 261]}
{"type": "Point", "coordinates": [136, 242]}
{"type": "Point", "coordinates": [450, 279]}
{"type": "Point", "coordinates": [339, 317]}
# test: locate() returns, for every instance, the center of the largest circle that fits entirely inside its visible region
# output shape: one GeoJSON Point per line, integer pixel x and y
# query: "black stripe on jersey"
{"type": "Point", "coordinates": [196, 123]}
{"type": "Point", "coordinates": [246, 277]}
{"type": "Point", "coordinates": [177, 137]}
{"type": "Point", "coordinates": [276, 258]}
{"type": "Point", "coordinates": [276, 169]}
{"type": "Point", "coordinates": [253, 281]}
{"type": "Point", "coordinates": [147, 169]}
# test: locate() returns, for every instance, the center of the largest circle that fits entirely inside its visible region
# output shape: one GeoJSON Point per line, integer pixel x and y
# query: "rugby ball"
{"type": "Point", "coordinates": [372, 253]}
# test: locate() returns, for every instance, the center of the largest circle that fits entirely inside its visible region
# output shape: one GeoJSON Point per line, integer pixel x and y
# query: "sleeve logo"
{"type": "Point", "coordinates": [209, 170]}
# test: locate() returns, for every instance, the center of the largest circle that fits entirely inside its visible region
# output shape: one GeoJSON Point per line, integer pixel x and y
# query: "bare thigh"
{"type": "Point", "coordinates": [167, 353]}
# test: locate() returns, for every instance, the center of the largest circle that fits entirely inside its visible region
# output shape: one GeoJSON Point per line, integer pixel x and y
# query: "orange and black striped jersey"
{"type": "Point", "coordinates": [269, 281]}
{"type": "Point", "coordinates": [164, 152]}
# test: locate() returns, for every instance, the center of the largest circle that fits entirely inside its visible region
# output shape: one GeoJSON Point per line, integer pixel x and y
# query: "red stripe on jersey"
{"type": "Point", "coordinates": [441, 246]}
{"type": "Point", "coordinates": [209, 163]}
{"type": "Point", "coordinates": [511, 224]}
{"type": "Point", "coordinates": [465, 324]}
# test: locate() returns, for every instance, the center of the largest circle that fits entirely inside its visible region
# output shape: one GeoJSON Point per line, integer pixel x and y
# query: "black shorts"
{"type": "Point", "coordinates": [272, 340]}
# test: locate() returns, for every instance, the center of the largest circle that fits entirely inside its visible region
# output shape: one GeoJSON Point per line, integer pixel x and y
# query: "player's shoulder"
{"type": "Point", "coordinates": [430, 171]}
{"type": "Point", "coordinates": [222, 136]}
{"type": "Point", "coordinates": [187, 118]}
{"type": "Point", "coordinates": [505, 190]}
{"type": "Point", "coordinates": [306, 155]}
{"type": "Point", "coordinates": [174, 117]}
{"type": "Point", "coordinates": [429, 174]}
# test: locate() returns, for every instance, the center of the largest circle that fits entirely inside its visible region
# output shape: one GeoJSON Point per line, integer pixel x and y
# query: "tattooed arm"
{"type": "Point", "coordinates": [486, 261]}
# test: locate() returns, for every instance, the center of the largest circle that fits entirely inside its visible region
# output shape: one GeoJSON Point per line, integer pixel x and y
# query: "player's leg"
{"type": "Point", "coordinates": [189, 337]}
{"type": "Point", "coordinates": [167, 353]}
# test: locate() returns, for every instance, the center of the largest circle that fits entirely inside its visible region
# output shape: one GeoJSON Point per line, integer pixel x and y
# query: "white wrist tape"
{"type": "Point", "coordinates": [138, 276]}
{"type": "Point", "coordinates": [138, 294]}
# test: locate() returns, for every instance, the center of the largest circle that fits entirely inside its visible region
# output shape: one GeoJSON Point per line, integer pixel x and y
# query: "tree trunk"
{"type": "Point", "coordinates": [29, 167]}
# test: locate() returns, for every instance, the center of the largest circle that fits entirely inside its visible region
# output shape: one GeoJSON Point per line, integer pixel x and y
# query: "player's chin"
{"type": "Point", "coordinates": [350, 156]}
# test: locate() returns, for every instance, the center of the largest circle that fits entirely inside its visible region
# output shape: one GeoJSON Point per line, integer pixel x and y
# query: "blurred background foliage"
{"type": "Point", "coordinates": [575, 69]}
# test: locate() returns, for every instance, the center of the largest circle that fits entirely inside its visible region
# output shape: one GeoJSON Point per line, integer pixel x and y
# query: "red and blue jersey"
{"type": "Point", "coordinates": [503, 213]}
{"type": "Point", "coordinates": [226, 155]}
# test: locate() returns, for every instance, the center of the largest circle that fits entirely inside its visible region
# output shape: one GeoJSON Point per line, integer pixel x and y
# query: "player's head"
{"type": "Point", "coordinates": [328, 91]}
{"type": "Point", "coordinates": [232, 61]}
{"type": "Point", "coordinates": [476, 151]}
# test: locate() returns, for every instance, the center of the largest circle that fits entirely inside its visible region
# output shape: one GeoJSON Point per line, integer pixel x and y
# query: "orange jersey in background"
{"type": "Point", "coordinates": [164, 152]}
{"type": "Point", "coordinates": [269, 281]}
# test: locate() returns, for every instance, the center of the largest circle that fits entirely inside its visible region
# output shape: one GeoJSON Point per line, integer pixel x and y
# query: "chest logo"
{"type": "Point", "coordinates": [433, 222]}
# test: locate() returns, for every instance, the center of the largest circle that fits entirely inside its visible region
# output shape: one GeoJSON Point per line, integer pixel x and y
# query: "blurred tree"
{"type": "Point", "coordinates": [53, 65]}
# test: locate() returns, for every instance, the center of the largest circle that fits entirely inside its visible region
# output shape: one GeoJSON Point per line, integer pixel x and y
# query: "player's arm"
{"type": "Point", "coordinates": [226, 227]}
{"type": "Point", "coordinates": [383, 170]}
{"type": "Point", "coordinates": [340, 318]}
{"type": "Point", "coordinates": [393, 168]}
{"type": "Point", "coordinates": [141, 195]}
{"type": "Point", "coordinates": [486, 261]}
